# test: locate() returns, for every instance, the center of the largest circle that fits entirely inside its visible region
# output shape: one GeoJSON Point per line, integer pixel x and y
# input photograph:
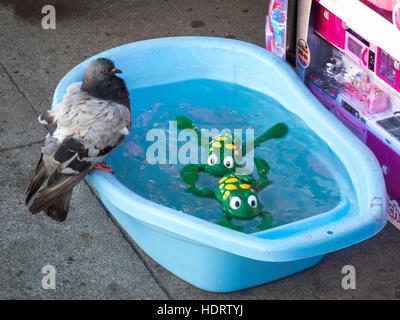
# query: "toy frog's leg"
{"type": "Point", "coordinates": [262, 169]}
{"type": "Point", "coordinates": [190, 174]}
{"type": "Point", "coordinates": [226, 222]}
{"type": "Point", "coordinates": [183, 123]}
{"type": "Point", "coordinates": [202, 192]}
{"type": "Point", "coordinates": [267, 221]}
{"type": "Point", "coordinates": [277, 131]}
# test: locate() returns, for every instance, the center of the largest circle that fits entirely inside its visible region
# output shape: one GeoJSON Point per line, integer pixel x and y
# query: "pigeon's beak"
{"type": "Point", "coordinates": [115, 70]}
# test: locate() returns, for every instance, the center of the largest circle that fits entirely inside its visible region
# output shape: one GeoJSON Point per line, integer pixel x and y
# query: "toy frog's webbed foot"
{"type": "Point", "coordinates": [226, 222]}
{"type": "Point", "coordinates": [277, 131]}
{"type": "Point", "coordinates": [267, 221]}
{"type": "Point", "coordinates": [262, 169]}
{"type": "Point", "coordinates": [190, 174]}
{"type": "Point", "coordinates": [183, 123]}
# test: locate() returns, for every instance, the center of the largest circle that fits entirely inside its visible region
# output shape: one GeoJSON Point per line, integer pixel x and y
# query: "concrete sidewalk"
{"type": "Point", "coordinates": [93, 258]}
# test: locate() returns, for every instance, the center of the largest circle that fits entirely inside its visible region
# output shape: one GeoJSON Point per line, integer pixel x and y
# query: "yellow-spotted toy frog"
{"type": "Point", "coordinates": [238, 196]}
{"type": "Point", "coordinates": [224, 157]}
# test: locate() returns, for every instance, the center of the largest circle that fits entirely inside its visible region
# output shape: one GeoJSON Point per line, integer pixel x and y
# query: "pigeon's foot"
{"type": "Point", "coordinates": [102, 166]}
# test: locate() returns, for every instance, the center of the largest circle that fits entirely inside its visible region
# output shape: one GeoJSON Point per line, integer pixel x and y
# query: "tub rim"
{"type": "Point", "coordinates": [288, 242]}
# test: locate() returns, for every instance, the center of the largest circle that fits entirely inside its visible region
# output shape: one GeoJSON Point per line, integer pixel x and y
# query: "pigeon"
{"type": "Point", "coordinates": [93, 118]}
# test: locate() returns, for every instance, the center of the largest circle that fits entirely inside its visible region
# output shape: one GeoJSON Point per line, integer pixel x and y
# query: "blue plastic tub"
{"type": "Point", "coordinates": [209, 256]}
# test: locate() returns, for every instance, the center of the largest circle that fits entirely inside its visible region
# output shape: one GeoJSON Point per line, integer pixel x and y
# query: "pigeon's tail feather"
{"type": "Point", "coordinates": [37, 180]}
{"type": "Point", "coordinates": [54, 199]}
{"type": "Point", "coordinates": [59, 210]}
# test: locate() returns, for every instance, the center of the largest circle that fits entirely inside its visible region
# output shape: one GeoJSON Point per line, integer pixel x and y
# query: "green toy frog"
{"type": "Point", "coordinates": [238, 196]}
{"type": "Point", "coordinates": [237, 193]}
{"type": "Point", "coordinates": [225, 152]}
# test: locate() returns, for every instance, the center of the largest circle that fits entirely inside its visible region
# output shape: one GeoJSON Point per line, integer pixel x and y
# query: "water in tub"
{"type": "Point", "coordinates": [308, 178]}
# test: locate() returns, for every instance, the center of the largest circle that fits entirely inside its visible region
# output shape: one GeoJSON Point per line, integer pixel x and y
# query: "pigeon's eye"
{"type": "Point", "coordinates": [228, 162]}
{"type": "Point", "coordinates": [212, 159]}
{"type": "Point", "coordinates": [104, 70]}
{"type": "Point", "coordinates": [235, 203]}
{"type": "Point", "coordinates": [252, 201]}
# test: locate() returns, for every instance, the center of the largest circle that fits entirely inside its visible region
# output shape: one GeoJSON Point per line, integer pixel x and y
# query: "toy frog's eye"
{"type": "Point", "coordinates": [235, 203]}
{"type": "Point", "coordinates": [228, 162]}
{"type": "Point", "coordinates": [252, 201]}
{"type": "Point", "coordinates": [212, 159]}
{"type": "Point", "coordinates": [104, 70]}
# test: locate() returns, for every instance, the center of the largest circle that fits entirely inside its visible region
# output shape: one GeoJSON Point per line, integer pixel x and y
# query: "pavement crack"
{"type": "Point", "coordinates": [21, 146]}
{"type": "Point", "coordinates": [18, 88]}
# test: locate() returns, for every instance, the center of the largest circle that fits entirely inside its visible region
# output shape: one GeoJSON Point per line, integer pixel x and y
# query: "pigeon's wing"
{"type": "Point", "coordinates": [44, 169]}
{"type": "Point", "coordinates": [56, 157]}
